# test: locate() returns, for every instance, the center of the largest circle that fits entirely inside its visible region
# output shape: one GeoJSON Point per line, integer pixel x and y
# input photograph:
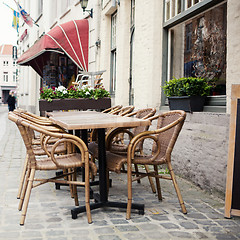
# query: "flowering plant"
{"type": "Point", "coordinates": [61, 92]}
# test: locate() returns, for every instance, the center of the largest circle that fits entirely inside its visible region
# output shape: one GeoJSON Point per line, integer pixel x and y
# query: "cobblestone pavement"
{"type": "Point", "coordinates": [49, 214]}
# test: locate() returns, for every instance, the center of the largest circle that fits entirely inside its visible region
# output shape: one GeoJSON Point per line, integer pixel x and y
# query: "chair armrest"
{"type": "Point", "coordinates": [72, 144]}
{"type": "Point", "coordinates": [113, 133]}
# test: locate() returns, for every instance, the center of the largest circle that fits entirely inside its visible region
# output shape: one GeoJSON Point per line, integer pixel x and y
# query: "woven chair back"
{"type": "Point", "coordinates": [168, 138]}
{"type": "Point", "coordinates": [25, 126]}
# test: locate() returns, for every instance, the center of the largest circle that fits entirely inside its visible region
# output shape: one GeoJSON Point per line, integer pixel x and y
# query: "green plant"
{"type": "Point", "coordinates": [187, 86]}
{"type": "Point", "coordinates": [61, 92]}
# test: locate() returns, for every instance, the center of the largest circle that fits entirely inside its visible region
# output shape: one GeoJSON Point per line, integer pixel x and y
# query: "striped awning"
{"type": "Point", "coordinates": [70, 38]}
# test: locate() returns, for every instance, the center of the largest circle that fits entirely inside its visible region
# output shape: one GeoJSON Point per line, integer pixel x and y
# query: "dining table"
{"type": "Point", "coordinates": [88, 120]}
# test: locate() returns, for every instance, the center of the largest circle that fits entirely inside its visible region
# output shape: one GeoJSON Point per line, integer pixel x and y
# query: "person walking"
{"type": "Point", "coordinates": [11, 101]}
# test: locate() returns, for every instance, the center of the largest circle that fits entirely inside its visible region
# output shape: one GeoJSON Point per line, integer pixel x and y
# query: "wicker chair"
{"type": "Point", "coordinates": [164, 137]}
{"type": "Point", "coordinates": [112, 109]}
{"type": "Point", "coordinates": [70, 160]}
{"type": "Point", "coordinates": [123, 110]}
{"type": "Point", "coordinates": [115, 139]}
{"type": "Point", "coordinates": [37, 141]}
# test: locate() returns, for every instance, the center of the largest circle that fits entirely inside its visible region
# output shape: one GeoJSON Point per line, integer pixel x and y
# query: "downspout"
{"type": "Point", "coordinates": [131, 63]}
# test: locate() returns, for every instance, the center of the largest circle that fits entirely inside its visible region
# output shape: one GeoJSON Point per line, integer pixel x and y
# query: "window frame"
{"type": "Point", "coordinates": [185, 15]}
{"type": "Point", "coordinates": [113, 57]}
{"type": "Point", "coordinates": [5, 77]}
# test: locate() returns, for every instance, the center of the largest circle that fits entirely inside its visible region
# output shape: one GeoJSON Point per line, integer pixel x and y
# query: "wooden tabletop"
{"type": "Point", "coordinates": [92, 120]}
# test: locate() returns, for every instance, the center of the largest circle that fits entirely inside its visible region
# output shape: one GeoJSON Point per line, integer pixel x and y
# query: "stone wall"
{"type": "Point", "coordinates": [200, 153]}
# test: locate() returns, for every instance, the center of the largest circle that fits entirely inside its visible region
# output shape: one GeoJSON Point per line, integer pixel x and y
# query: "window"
{"type": "Point", "coordinates": [40, 7]}
{"type": "Point", "coordinates": [5, 63]}
{"type": "Point", "coordinates": [167, 7]}
{"type": "Point", "coordinates": [132, 12]}
{"type": "Point", "coordinates": [64, 5]}
{"type": "Point", "coordinates": [14, 63]}
{"type": "Point", "coordinates": [175, 7]}
{"type": "Point", "coordinates": [199, 48]}
{"type": "Point", "coordinates": [113, 53]}
{"type": "Point", "coordinates": [5, 76]}
{"type": "Point", "coordinates": [188, 35]}
{"type": "Point", "coordinates": [14, 76]}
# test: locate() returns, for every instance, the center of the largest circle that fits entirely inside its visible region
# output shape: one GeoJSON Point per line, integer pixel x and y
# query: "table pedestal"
{"type": "Point", "coordinates": [101, 199]}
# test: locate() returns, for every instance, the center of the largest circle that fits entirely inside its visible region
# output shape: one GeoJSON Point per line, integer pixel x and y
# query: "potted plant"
{"type": "Point", "coordinates": [62, 98]}
{"type": "Point", "coordinates": [187, 93]}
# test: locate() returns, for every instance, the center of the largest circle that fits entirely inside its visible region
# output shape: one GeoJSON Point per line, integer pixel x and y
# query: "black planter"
{"type": "Point", "coordinates": [187, 103]}
{"type": "Point", "coordinates": [73, 104]}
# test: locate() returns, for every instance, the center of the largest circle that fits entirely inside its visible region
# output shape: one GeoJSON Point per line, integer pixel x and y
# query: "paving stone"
{"type": "Point", "coordinates": [225, 236]}
{"type": "Point", "coordinates": [179, 217]}
{"type": "Point", "coordinates": [54, 233]}
{"type": "Point", "coordinates": [109, 237]}
{"type": "Point", "coordinates": [181, 235]}
{"type": "Point", "coordinates": [189, 225]}
{"type": "Point", "coordinates": [196, 216]}
{"type": "Point", "coordinates": [127, 228]}
{"type": "Point", "coordinates": [104, 230]}
{"type": "Point", "coordinates": [205, 222]}
{"type": "Point", "coordinates": [9, 235]}
{"type": "Point", "coordinates": [119, 221]}
{"type": "Point", "coordinates": [134, 236]}
{"type": "Point", "coordinates": [157, 235]}
{"type": "Point", "coordinates": [148, 226]}
{"type": "Point", "coordinates": [169, 225]}
{"type": "Point", "coordinates": [142, 219]}
{"type": "Point", "coordinates": [160, 217]}
{"type": "Point", "coordinates": [201, 235]}
{"type": "Point", "coordinates": [31, 234]}
{"type": "Point", "coordinates": [227, 222]}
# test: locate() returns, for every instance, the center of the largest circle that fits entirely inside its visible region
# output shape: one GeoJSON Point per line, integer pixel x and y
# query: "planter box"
{"type": "Point", "coordinates": [73, 104]}
{"type": "Point", "coordinates": [187, 103]}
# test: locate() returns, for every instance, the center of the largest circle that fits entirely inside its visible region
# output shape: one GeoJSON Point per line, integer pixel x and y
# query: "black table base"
{"type": "Point", "coordinates": [101, 199]}
{"type": "Point", "coordinates": [76, 211]}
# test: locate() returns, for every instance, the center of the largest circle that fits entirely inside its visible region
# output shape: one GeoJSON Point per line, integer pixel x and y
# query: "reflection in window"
{"type": "Point", "coordinates": [173, 8]}
{"type": "Point", "coordinates": [200, 48]}
{"type": "Point", "coordinates": [179, 6]}
{"type": "Point", "coordinates": [168, 10]}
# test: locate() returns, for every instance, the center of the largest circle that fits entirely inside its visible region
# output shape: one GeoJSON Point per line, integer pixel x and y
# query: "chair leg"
{"type": "Point", "coordinates": [129, 185]}
{"type": "Point", "coordinates": [91, 174]}
{"type": "Point", "coordinates": [24, 170]}
{"type": "Point", "coordinates": [87, 193]}
{"type": "Point", "coordinates": [69, 178]}
{"type": "Point", "coordinates": [180, 199]}
{"type": "Point", "coordinates": [158, 184]}
{"type": "Point", "coordinates": [136, 170]}
{"type": "Point", "coordinates": [75, 188]}
{"type": "Point", "coordinates": [27, 197]}
{"type": "Point", "coordinates": [23, 193]}
{"type": "Point", "coordinates": [150, 179]}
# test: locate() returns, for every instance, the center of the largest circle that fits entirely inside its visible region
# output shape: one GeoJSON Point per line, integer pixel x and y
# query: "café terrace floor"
{"type": "Point", "coordinates": [49, 212]}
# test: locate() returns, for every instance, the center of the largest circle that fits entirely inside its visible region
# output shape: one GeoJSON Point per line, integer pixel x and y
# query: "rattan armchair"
{"type": "Point", "coordinates": [117, 139]}
{"type": "Point", "coordinates": [70, 160]}
{"type": "Point", "coordinates": [164, 137]}
{"type": "Point", "coordinates": [112, 109]}
{"type": "Point", "coordinates": [37, 141]}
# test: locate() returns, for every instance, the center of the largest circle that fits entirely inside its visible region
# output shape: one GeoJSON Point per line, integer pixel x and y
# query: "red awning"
{"type": "Point", "coordinates": [70, 38]}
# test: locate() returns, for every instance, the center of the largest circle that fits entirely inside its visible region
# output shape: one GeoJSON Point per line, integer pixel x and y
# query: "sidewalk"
{"type": "Point", "coordinates": [49, 214]}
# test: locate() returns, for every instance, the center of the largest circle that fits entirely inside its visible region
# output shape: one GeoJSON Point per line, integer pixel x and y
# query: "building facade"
{"type": "Point", "coordinates": [8, 72]}
{"type": "Point", "coordinates": [142, 44]}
